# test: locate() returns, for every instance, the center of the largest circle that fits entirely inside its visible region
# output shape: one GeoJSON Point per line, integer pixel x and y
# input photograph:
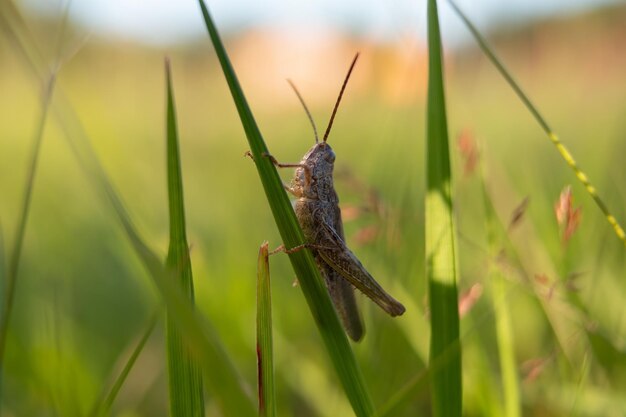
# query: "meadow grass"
{"type": "Point", "coordinates": [441, 246]}
{"type": "Point", "coordinates": [309, 278]}
{"type": "Point", "coordinates": [185, 378]}
{"type": "Point", "coordinates": [264, 337]}
{"type": "Point", "coordinates": [545, 338]}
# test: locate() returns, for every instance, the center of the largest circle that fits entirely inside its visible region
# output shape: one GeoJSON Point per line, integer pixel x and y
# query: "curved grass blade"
{"type": "Point", "coordinates": [264, 339]}
{"type": "Point", "coordinates": [310, 281]}
{"type": "Point", "coordinates": [14, 259]}
{"type": "Point", "coordinates": [446, 388]}
{"type": "Point", "coordinates": [104, 406]}
{"type": "Point", "coordinates": [185, 379]}
{"type": "Point", "coordinates": [563, 151]}
{"type": "Point", "coordinates": [232, 394]}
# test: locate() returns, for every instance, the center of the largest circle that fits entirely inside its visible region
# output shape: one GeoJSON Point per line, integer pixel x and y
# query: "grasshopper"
{"type": "Point", "coordinates": [317, 210]}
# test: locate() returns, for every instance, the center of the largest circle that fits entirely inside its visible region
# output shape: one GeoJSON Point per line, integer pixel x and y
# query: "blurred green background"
{"type": "Point", "coordinates": [83, 299]}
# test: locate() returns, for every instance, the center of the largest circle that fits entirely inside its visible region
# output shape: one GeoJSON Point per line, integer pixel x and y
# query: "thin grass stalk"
{"type": "Point", "coordinates": [446, 387]}
{"type": "Point", "coordinates": [103, 407]}
{"type": "Point", "coordinates": [16, 252]}
{"type": "Point", "coordinates": [561, 335]}
{"type": "Point", "coordinates": [552, 308]}
{"type": "Point", "coordinates": [504, 327]}
{"type": "Point", "coordinates": [12, 24]}
{"type": "Point", "coordinates": [264, 339]}
{"type": "Point", "coordinates": [232, 394]}
{"type": "Point", "coordinates": [505, 342]}
{"type": "Point", "coordinates": [404, 394]}
{"type": "Point", "coordinates": [308, 276]}
{"type": "Point", "coordinates": [185, 378]}
{"type": "Point", "coordinates": [561, 148]}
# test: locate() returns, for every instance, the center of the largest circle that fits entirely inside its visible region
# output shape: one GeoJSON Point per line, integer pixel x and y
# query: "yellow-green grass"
{"type": "Point", "coordinates": [83, 296]}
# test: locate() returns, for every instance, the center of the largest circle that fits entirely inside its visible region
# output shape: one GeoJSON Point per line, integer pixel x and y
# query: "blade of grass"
{"type": "Point", "coordinates": [308, 276]}
{"type": "Point", "coordinates": [232, 394]}
{"type": "Point", "coordinates": [517, 262]}
{"type": "Point", "coordinates": [563, 151]}
{"type": "Point", "coordinates": [446, 388]}
{"type": "Point", "coordinates": [104, 404]}
{"type": "Point", "coordinates": [504, 327]}
{"type": "Point", "coordinates": [264, 340]}
{"type": "Point", "coordinates": [185, 379]}
{"type": "Point", "coordinates": [14, 259]}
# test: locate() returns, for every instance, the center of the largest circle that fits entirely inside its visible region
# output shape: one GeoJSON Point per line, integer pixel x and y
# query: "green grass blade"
{"type": "Point", "coordinates": [185, 379]}
{"type": "Point", "coordinates": [264, 342]}
{"type": "Point", "coordinates": [563, 151]}
{"type": "Point", "coordinates": [104, 406]}
{"type": "Point", "coordinates": [115, 389]}
{"type": "Point", "coordinates": [231, 393]}
{"type": "Point", "coordinates": [446, 388]}
{"type": "Point", "coordinates": [222, 378]}
{"type": "Point", "coordinates": [505, 341]}
{"type": "Point", "coordinates": [14, 259]}
{"type": "Point", "coordinates": [310, 281]}
{"type": "Point", "coordinates": [504, 326]}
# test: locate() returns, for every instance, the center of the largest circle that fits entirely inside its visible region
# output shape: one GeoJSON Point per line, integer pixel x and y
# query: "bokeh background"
{"type": "Point", "coordinates": [83, 298]}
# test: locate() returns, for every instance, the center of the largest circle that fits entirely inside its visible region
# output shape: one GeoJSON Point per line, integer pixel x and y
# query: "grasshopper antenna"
{"type": "Point", "coordinates": [306, 109]}
{"type": "Point", "coordinates": [343, 87]}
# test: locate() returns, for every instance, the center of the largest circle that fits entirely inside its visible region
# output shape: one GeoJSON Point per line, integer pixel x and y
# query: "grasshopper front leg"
{"type": "Point", "coordinates": [296, 191]}
{"type": "Point", "coordinates": [291, 190]}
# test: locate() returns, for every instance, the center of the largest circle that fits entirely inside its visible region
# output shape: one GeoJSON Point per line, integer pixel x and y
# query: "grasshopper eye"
{"type": "Point", "coordinates": [330, 156]}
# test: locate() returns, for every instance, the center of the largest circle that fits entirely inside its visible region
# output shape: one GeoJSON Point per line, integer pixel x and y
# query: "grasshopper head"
{"type": "Point", "coordinates": [316, 180]}
{"type": "Point", "coordinates": [320, 158]}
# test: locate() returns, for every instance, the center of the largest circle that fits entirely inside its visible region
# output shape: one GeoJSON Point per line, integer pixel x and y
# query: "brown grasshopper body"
{"type": "Point", "coordinates": [317, 210]}
{"type": "Point", "coordinates": [318, 213]}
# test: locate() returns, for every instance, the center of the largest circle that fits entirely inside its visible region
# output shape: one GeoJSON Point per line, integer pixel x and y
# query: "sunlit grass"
{"type": "Point", "coordinates": [309, 278]}
{"type": "Point", "coordinates": [264, 337]}
{"type": "Point", "coordinates": [86, 297]}
{"type": "Point", "coordinates": [185, 379]}
{"type": "Point", "coordinates": [441, 263]}
{"type": "Point", "coordinates": [554, 138]}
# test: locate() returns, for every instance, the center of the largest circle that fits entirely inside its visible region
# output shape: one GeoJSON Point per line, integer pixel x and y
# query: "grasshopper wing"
{"type": "Point", "coordinates": [334, 251]}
